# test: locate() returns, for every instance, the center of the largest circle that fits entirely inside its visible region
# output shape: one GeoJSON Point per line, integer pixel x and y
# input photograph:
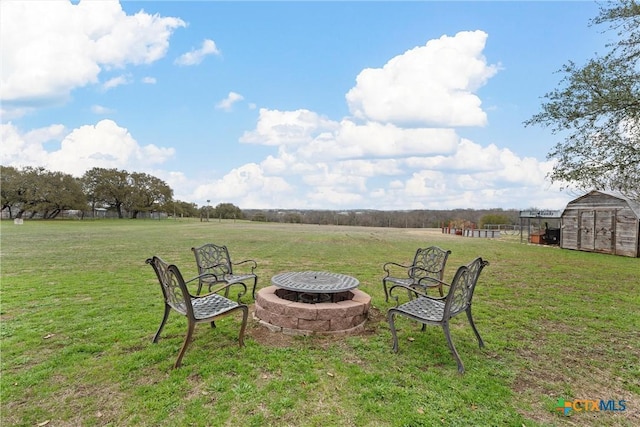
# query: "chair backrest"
{"type": "Point", "coordinates": [213, 259]}
{"type": "Point", "coordinates": [173, 286]}
{"type": "Point", "coordinates": [462, 287]}
{"type": "Point", "coordinates": [431, 262]}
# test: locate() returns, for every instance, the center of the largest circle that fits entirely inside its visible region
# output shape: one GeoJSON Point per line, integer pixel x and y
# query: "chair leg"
{"type": "Point", "coordinates": [253, 291]}
{"type": "Point", "coordinates": [391, 318]}
{"type": "Point", "coordinates": [241, 293]}
{"type": "Point", "coordinates": [410, 294]}
{"type": "Point", "coordinates": [167, 309]}
{"type": "Point", "coordinates": [473, 326]}
{"type": "Point", "coordinates": [447, 334]}
{"type": "Point", "coordinates": [245, 315]}
{"type": "Point", "coordinates": [386, 293]}
{"type": "Point", "coordinates": [187, 341]}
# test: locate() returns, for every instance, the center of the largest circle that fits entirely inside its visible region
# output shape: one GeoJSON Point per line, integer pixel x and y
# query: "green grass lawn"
{"type": "Point", "coordinates": [79, 307]}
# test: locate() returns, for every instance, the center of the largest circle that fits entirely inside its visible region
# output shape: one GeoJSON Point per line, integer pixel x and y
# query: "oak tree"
{"type": "Point", "coordinates": [596, 108]}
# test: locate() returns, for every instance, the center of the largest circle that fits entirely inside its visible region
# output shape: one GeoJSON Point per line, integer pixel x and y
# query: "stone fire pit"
{"type": "Point", "coordinates": [306, 303]}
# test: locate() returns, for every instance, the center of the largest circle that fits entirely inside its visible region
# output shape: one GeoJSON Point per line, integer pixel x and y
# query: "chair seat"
{"type": "Point", "coordinates": [211, 305]}
{"type": "Point", "coordinates": [424, 309]}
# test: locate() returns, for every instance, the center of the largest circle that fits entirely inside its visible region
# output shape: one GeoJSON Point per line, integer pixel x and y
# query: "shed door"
{"type": "Point", "coordinates": [605, 231]}
{"type": "Point", "coordinates": [586, 235]}
{"type": "Point", "coordinates": [570, 230]}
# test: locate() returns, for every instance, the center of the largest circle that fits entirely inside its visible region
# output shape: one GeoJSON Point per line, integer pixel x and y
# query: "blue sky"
{"type": "Point", "coordinates": [329, 105]}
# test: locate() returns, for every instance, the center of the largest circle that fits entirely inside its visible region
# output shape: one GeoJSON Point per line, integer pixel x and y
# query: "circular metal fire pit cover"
{"type": "Point", "coordinates": [315, 282]}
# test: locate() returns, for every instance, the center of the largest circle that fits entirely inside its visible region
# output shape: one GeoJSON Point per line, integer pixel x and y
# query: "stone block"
{"type": "Point", "coordinates": [262, 293]}
{"type": "Point", "coordinates": [359, 320]}
{"type": "Point", "coordinates": [341, 323]}
{"type": "Point", "coordinates": [351, 308]}
{"type": "Point", "coordinates": [301, 310]}
{"type": "Point", "coordinates": [329, 310]}
{"type": "Point", "coordinates": [267, 299]}
{"type": "Point", "coordinates": [314, 325]}
{"type": "Point", "coordinates": [284, 321]}
{"type": "Point", "coordinates": [262, 314]}
{"type": "Point", "coordinates": [270, 327]}
{"type": "Point", "coordinates": [363, 298]}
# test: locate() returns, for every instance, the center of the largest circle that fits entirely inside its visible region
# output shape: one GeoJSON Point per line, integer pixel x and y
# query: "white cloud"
{"type": "Point", "coordinates": [337, 195]}
{"type": "Point", "coordinates": [429, 85]}
{"type": "Point", "coordinates": [196, 56]}
{"type": "Point", "coordinates": [228, 102]}
{"type": "Point", "coordinates": [424, 185]}
{"type": "Point", "coordinates": [315, 138]}
{"type": "Point", "coordinates": [115, 82]}
{"type": "Point", "coordinates": [149, 80]}
{"type": "Point", "coordinates": [27, 149]}
{"type": "Point", "coordinates": [474, 176]}
{"type": "Point", "coordinates": [50, 48]}
{"type": "Point", "coordinates": [104, 145]}
{"type": "Point", "coordinates": [345, 165]}
{"type": "Point", "coordinates": [99, 109]}
{"type": "Point", "coordinates": [333, 177]}
{"type": "Point", "coordinates": [287, 127]}
{"type": "Point", "coordinates": [352, 141]}
{"type": "Point", "coordinates": [246, 185]}
{"type": "Point", "coordinates": [371, 168]}
{"type": "Point", "coordinates": [14, 112]}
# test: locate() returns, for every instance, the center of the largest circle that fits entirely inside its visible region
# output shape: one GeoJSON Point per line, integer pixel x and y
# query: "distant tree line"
{"type": "Point", "coordinates": [222, 211]}
{"type": "Point", "coordinates": [38, 192]}
{"type": "Point", "coordinates": [34, 192]}
{"type": "Point", "coordinates": [399, 219]}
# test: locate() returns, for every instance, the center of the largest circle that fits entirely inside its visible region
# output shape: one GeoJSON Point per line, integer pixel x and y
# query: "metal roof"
{"type": "Point", "coordinates": [633, 204]}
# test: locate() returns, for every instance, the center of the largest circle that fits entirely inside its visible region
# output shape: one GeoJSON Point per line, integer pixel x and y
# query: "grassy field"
{"type": "Point", "coordinates": [79, 307]}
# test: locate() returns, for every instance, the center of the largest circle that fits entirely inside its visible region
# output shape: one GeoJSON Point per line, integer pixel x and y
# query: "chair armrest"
{"type": "Point", "coordinates": [435, 282]}
{"type": "Point", "coordinates": [387, 267]}
{"type": "Point", "coordinates": [224, 286]}
{"type": "Point", "coordinates": [199, 279]}
{"type": "Point", "coordinates": [416, 293]}
{"type": "Point", "coordinates": [202, 276]}
{"type": "Point", "coordinates": [415, 268]}
{"type": "Point", "coordinates": [251, 262]}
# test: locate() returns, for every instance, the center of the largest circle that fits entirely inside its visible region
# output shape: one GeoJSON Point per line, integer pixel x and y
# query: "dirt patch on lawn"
{"type": "Point", "coordinates": [547, 379]}
{"type": "Point", "coordinates": [542, 389]}
{"type": "Point", "coordinates": [267, 338]}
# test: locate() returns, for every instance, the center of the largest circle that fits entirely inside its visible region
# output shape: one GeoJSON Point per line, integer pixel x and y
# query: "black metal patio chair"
{"type": "Point", "coordinates": [216, 271]}
{"type": "Point", "coordinates": [427, 262]}
{"type": "Point", "coordinates": [197, 309]}
{"type": "Point", "coordinates": [439, 311]}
